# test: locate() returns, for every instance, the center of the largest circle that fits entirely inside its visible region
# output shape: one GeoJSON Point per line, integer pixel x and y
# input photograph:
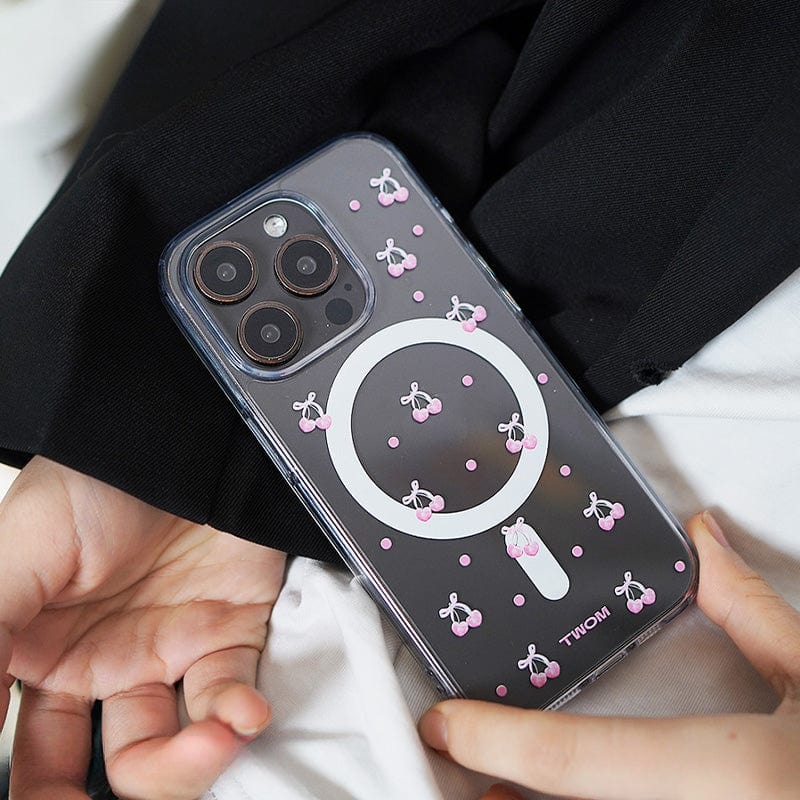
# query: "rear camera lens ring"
{"type": "Point", "coordinates": [297, 280]}
{"type": "Point", "coordinates": [217, 271]}
{"type": "Point", "coordinates": [256, 333]}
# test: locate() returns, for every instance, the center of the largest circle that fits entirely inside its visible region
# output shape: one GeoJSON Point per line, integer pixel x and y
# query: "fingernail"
{"type": "Point", "coordinates": [499, 791]}
{"type": "Point", "coordinates": [253, 733]}
{"type": "Point", "coordinates": [713, 527]}
{"type": "Point", "coordinates": [433, 729]}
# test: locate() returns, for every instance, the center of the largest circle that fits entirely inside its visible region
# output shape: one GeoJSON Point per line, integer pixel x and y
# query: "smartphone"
{"type": "Point", "coordinates": [451, 461]}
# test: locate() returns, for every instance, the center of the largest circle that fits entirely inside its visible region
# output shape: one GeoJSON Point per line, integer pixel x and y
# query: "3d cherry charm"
{"type": "Point", "coordinates": [424, 503]}
{"type": "Point", "coordinates": [517, 437]}
{"type": "Point", "coordinates": [389, 188]}
{"type": "Point", "coordinates": [397, 260]}
{"type": "Point", "coordinates": [520, 539]}
{"type": "Point", "coordinates": [604, 511]}
{"type": "Point", "coordinates": [541, 668]}
{"type": "Point", "coordinates": [462, 617]}
{"type": "Point", "coordinates": [312, 415]}
{"type": "Point", "coordinates": [423, 405]}
{"type": "Point", "coordinates": [637, 595]}
{"type": "Point", "coordinates": [467, 314]}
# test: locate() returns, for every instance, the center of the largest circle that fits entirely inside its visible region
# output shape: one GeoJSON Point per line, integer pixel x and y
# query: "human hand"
{"type": "Point", "coordinates": [748, 756]}
{"type": "Point", "coordinates": [105, 597]}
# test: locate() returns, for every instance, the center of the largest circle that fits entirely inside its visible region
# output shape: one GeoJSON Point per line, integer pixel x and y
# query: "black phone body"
{"type": "Point", "coordinates": [449, 458]}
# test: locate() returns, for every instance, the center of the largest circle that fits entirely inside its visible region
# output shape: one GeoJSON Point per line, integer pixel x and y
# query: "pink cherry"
{"type": "Point", "coordinates": [513, 445]}
{"type": "Point", "coordinates": [424, 514]}
{"type": "Point", "coordinates": [514, 551]}
{"type": "Point", "coordinates": [538, 679]}
{"type": "Point", "coordinates": [606, 523]}
{"type": "Point", "coordinates": [479, 314]}
{"type": "Point", "coordinates": [400, 194]}
{"type": "Point", "coordinates": [649, 597]}
{"type": "Point", "coordinates": [618, 511]}
{"type": "Point", "coordinates": [306, 425]}
{"type": "Point", "coordinates": [437, 504]}
{"type": "Point", "coordinates": [529, 442]}
{"type": "Point", "coordinates": [385, 199]}
{"type": "Point", "coordinates": [435, 406]}
{"type": "Point", "coordinates": [420, 414]}
{"type": "Point", "coordinates": [475, 618]}
{"type": "Point", "coordinates": [410, 261]}
{"type": "Point", "coordinates": [459, 628]}
{"type": "Point", "coordinates": [324, 422]}
{"type": "Point", "coordinates": [395, 270]}
{"type": "Point", "coordinates": [469, 325]}
{"type": "Point", "coordinates": [553, 670]}
{"type": "Point", "coordinates": [531, 549]}
{"type": "Point", "coordinates": [635, 606]}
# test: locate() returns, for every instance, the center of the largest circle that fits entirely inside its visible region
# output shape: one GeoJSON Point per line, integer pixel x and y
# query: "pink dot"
{"type": "Point", "coordinates": [501, 690]}
{"type": "Point", "coordinates": [418, 230]}
{"type": "Point", "coordinates": [542, 378]}
{"type": "Point", "coordinates": [464, 560]}
{"type": "Point", "coordinates": [565, 471]}
{"type": "Point", "coordinates": [418, 296]}
{"type": "Point", "coordinates": [393, 442]}
{"type": "Point", "coordinates": [577, 551]}
{"type": "Point", "coordinates": [519, 600]}
{"type": "Point", "coordinates": [467, 380]}
{"type": "Point", "coordinates": [471, 465]}
{"type": "Point", "coordinates": [386, 543]}
{"type": "Point", "coordinates": [680, 566]}
{"type": "Point", "coordinates": [354, 205]}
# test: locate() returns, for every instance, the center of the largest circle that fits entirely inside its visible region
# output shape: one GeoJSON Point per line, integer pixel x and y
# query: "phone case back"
{"type": "Point", "coordinates": [443, 450]}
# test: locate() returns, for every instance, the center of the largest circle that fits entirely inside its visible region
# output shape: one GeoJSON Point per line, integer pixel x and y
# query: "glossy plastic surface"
{"type": "Point", "coordinates": [448, 457]}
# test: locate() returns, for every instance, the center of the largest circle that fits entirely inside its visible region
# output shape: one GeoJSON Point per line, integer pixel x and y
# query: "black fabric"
{"type": "Point", "coordinates": [630, 169]}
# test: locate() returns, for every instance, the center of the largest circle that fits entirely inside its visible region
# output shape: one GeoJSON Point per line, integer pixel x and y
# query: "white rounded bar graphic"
{"type": "Point", "coordinates": [546, 574]}
{"type": "Point", "coordinates": [387, 509]}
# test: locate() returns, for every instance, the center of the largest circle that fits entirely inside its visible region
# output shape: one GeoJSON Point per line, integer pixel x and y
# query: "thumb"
{"type": "Point", "coordinates": [759, 621]}
{"type": "Point", "coordinates": [40, 550]}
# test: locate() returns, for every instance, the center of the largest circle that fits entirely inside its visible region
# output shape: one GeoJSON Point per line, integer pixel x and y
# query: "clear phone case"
{"type": "Point", "coordinates": [448, 457]}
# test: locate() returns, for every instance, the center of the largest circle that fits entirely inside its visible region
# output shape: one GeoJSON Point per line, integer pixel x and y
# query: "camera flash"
{"type": "Point", "coordinates": [275, 226]}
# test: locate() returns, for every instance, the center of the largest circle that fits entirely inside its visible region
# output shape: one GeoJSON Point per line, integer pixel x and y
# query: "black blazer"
{"type": "Point", "coordinates": [630, 169]}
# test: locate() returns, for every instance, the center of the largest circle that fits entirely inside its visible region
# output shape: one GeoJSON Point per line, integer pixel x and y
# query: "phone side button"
{"type": "Point", "coordinates": [435, 681]}
{"type": "Point", "coordinates": [607, 666]}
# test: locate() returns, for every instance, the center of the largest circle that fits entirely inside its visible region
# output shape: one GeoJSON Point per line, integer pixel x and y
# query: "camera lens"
{"type": "Point", "coordinates": [270, 333]}
{"type": "Point", "coordinates": [306, 265]}
{"type": "Point", "coordinates": [225, 272]}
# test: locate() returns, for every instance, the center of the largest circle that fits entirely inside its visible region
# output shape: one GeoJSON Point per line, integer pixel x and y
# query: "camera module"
{"type": "Point", "coordinates": [270, 333]}
{"type": "Point", "coordinates": [225, 272]}
{"type": "Point", "coordinates": [306, 265]}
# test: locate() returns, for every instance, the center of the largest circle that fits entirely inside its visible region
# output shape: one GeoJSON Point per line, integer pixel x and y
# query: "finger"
{"type": "Point", "coordinates": [759, 621]}
{"type": "Point", "coordinates": [603, 758]}
{"type": "Point", "coordinates": [39, 562]}
{"type": "Point", "coordinates": [52, 746]}
{"type": "Point", "coordinates": [221, 686]}
{"type": "Point", "coordinates": [148, 756]}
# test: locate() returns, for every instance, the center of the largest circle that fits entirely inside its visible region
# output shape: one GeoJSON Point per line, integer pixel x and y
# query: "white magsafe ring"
{"type": "Point", "coordinates": [543, 569]}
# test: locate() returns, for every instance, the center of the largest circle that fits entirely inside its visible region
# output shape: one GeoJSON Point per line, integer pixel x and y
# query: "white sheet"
{"type": "Point", "coordinates": [722, 432]}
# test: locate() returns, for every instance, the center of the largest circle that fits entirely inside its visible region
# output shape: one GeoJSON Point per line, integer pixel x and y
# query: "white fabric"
{"type": "Point", "coordinates": [722, 432]}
